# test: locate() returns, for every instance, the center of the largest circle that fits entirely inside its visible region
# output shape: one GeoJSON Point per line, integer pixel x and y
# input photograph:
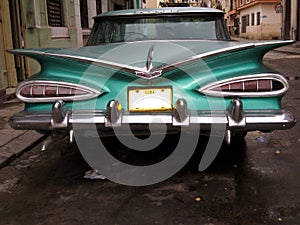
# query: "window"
{"type": "Point", "coordinates": [247, 20]}
{"type": "Point", "coordinates": [245, 23]}
{"type": "Point", "coordinates": [241, 2]}
{"type": "Point", "coordinates": [98, 6]}
{"type": "Point", "coordinates": [127, 29]}
{"type": "Point", "coordinates": [84, 18]}
{"type": "Point", "coordinates": [231, 5]}
{"type": "Point", "coordinates": [258, 18]}
{"type": "Point", "coordinates": [252, 19]}
{"type": "Point", "coordinates": [55, 13]}
{"type": "Point", "coordinates": [247, 1]}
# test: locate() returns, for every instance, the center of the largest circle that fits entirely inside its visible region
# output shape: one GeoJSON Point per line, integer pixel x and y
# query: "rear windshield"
{"type": "Point", "coordinates": [129, 29]}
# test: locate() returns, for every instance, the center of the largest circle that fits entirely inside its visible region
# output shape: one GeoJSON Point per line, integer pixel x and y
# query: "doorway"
{"type": "Point", "coordinates": [298, 21]}
{"type": "Point", "coordinates": [18, 37]}
{"type": "Point", "coordinates": [244, 24]}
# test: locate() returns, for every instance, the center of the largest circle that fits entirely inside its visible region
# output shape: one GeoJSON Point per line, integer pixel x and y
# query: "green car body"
{"type": "Point", "coordinates": [210, 80]}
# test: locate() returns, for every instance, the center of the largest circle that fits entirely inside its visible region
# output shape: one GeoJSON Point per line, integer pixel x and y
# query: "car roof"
{"type": "Point", "coordinates": [158, 11]}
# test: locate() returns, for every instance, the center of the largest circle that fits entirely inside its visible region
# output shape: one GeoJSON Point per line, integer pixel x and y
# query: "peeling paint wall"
{"type": "Point", "coordinates": [270, 22]}
{"type": "Point", "coordinates": [8, 71]}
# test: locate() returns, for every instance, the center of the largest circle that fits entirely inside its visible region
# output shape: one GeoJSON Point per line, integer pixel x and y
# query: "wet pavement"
{"type": "Point", "coordinates": [253, 182]}
{"type": "Point", "coordinates": [256, 181]}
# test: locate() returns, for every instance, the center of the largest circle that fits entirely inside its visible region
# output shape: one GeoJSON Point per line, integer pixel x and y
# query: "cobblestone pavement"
{"type": "Point", "coordinates": [13, 142]}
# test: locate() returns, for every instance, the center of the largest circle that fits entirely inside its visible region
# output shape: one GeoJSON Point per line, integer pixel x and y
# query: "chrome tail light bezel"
{"type": "Point", "coordinates": [86, 92]}
{"type": "Point", "coordinates": [211, 89]}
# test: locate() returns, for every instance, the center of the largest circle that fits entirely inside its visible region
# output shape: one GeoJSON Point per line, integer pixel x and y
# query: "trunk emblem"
{"type": "Point", "coordinates": [149, 72]}
{"type": "Point", "coordinates": [149, 75]}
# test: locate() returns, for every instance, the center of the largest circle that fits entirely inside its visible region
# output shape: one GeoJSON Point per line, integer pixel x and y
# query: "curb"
{"type": "Point", "coordinates": [13, 143]}
{"type": "Point", "coordinates": [17, 146]}
{"type": "Point", "coordinates": [6, 96]}
{"type": "Point", "coordinates": [287, 51]}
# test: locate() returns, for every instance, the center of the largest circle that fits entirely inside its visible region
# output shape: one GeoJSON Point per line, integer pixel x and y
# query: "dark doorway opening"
{"type": "Point", "coordinates": [298, 21]}
{"type": "Point", "coordinates": [18, 31]}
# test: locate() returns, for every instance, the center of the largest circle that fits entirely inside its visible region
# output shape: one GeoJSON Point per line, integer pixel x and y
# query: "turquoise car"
{"type": "Point", "coordinates": [155, 69]}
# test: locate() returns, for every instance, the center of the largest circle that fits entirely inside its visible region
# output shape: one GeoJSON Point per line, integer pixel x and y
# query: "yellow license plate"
{"type": "Point", "coordinates": [144, 99]}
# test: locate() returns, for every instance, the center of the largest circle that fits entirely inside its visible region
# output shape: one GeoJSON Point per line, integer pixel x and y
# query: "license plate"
{"type": "Point", "coordinates": [144, 99]}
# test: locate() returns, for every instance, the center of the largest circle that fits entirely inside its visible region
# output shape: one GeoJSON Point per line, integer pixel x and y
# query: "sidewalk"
{"type": "Point", "coordinates": [7, 95]}
{"type": "Point", "coordinates": [14, 142]}
{"type": "Point", "coordinates": [292, 49]}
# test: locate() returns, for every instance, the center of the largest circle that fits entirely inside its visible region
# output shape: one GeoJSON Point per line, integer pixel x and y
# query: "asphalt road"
{"type": "Point", "coordinates": [256, 181]}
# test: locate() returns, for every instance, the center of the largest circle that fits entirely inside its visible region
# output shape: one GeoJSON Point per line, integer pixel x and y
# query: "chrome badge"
{"type": "Point", "coordinates": [149, 72]}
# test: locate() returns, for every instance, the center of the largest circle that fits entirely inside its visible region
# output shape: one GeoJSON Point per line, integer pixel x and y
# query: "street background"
{"type": "Point", "coordinates": [255, 181]}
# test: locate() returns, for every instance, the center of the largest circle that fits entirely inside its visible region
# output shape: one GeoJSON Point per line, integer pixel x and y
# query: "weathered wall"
{"type": "Point", "coordinates": [8, 71]}
{"type": "Point", "coordinates": [152, 3]}
{"type": "Point", "coordinates": [295, 20]}
{"type": "Point", "coordinates": [40, 35]}
{"type": "Point", "coordinates": [252, 31]}
{"type": "Point", "coordinates": [2, 84]}
{"type": "Point", "coordinates": [270, 22]}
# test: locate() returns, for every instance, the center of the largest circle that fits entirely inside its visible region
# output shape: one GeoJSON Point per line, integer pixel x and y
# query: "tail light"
{"type": "Point", "coordinates": [248, 86]}
{"type": "Point", "coordinates": [50, 91]}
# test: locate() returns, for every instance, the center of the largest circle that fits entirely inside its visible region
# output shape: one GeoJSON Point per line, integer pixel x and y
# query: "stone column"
{"type": "Point", "coordinates": [104, 6]}
{"type": "Point", "coordinates": [9, 75]}
{"type": "Point", "coordinates": [286, 26]}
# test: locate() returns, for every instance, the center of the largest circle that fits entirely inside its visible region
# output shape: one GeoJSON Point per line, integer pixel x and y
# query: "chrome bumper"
{"type": "Point", "coordinates": [234, 118]}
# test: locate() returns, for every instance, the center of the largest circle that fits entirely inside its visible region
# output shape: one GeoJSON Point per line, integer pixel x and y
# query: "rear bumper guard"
{"type": "Point", "coordinates": [234, 118]}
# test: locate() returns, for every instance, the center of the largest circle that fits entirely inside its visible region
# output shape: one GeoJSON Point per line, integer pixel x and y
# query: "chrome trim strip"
{"type": "Point", "coordinates": [89, 60]}
{"type": "Point", "coordinates": [92, 93]}
{"type": "Point", "coordinates": [132, 69]}
{"type": "Point", "coordinates": [274, 42]}
{"type": "Point", "coordinates": [207, 89]}
{"type": "Point", "coordinates": [160, 11]}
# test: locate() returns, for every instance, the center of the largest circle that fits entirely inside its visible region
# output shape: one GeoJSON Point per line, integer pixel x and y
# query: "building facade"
{"type": "Point", "coordinates": [252, 19]}
{"type": "Point", "coordinates": [185, 3]}
{"type": "Point", "coordinates": [264, 19]}
{"type": "Point", "coordinates": [8, 73]}
{"type": "Point", "coordinates": [255, 19]}
{"type": "Point", "coordinates": [45, 24]}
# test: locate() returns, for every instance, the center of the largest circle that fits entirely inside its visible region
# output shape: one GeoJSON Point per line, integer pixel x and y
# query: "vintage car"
{"type": "Point", "coordinates": [172, 66]}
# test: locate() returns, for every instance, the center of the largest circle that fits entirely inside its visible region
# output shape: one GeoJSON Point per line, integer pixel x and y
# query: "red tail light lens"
{"type": "Point", "coordinates": [247, 86]}
{"type": "Point", "coordinates": [251, 86]}
{"type": "Point", "coordinates": [47, 91]}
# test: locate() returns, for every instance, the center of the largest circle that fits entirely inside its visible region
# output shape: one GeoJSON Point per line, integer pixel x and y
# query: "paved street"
{"type": "Point", "coordinates": [256, 181]}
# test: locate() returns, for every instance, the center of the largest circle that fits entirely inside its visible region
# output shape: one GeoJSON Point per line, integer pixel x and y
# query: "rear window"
{"type": "Point", "coordinates": [129, 29]}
